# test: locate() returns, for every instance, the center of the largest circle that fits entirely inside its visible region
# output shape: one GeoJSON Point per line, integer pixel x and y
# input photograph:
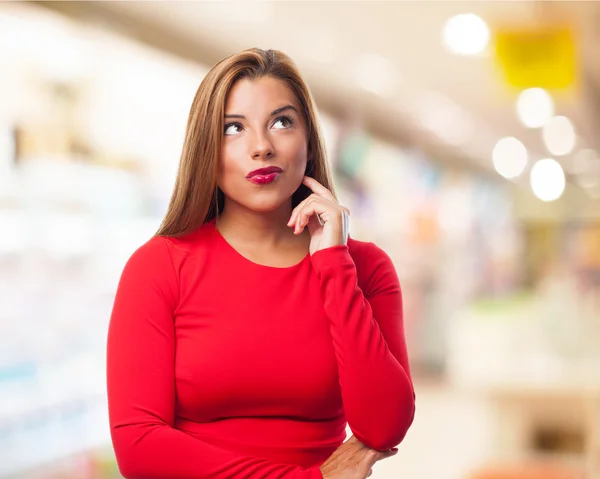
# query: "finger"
{"type": "Point", "coordinates": [353, 443]}
{"type": "Point", "coordinates": [373, 456]}
{"type": "Point", "coordinates": [386, 454]}
{"type": "Point", "coordinates": [295, 221]}
{"type": "Point", "coordinates": [370, 472]}
{"type": "Point", "coordinates": [294, 213]}
{"type": "Point", "coordinates": [354, 439]}
{"type": "Point", "coordinates": [319, 209]}
{"type": "Point", "coordinates": [368, 461]}
{"type": "Point", "coordinates": [297, 209]}
{"type": "Point", "coordinates": [318, 188]}
{"type": "Point", "coordinates": [301, 218]}
{"type": "Point", "coordinates": [390, 453]}
{"type": "Point", "coordinates": [309, 209]}
{"type": "Point", "coordinates": [301, 205]}
{"type": "Point", "coordinates": [323, 213]}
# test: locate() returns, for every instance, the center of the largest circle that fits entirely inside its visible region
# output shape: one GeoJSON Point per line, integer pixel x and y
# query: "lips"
{"type": "Point", "coordinates": [264, 171]}
{"type": "Point", "coordinates": [264, 176]}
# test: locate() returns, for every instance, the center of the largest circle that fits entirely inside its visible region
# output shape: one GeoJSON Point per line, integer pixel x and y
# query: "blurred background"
{"type": "Point", "coordinates": [464, 137]}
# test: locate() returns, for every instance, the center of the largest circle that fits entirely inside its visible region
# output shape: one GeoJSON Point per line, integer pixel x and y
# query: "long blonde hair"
{"type": "Point", "coordinates": [196, 197]}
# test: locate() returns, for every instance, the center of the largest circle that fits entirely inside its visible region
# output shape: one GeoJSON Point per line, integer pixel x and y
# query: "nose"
{"type": "Point", "coordinates": [262, 149]}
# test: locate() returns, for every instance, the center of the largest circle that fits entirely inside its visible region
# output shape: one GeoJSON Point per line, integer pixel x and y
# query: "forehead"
{"type": "Point", "coordinates": [262, 95]}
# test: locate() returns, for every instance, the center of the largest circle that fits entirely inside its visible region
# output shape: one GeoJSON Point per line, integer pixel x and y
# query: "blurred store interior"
{"type": "Point", "coordinates": [464, 138]}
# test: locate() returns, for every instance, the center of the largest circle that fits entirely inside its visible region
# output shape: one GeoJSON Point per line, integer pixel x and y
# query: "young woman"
{"type": "Point", "coordinates": [250, 329]}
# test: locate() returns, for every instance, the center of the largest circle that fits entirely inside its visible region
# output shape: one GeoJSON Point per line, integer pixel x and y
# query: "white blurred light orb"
{"type": "Point", "coordinates": [559, 136]}
{"type": "Point", "coordinates": [465, 34]}
{"type": "Point", "coordinates": [547, 179]}
{"type": "Point", "coordinates": [509, 157]}
{"type": "Point", "coordinates": [535, 107]}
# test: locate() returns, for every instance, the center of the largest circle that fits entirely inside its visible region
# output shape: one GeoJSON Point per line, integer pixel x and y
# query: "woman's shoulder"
{"type": "Point", "coordinates": [199, 237]}
{"type": "Point", "coordinates": [161, 249]}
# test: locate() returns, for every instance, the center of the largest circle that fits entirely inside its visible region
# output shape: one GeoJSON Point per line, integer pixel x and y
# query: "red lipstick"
{"type": "Point", "coordinates": [264, 176]}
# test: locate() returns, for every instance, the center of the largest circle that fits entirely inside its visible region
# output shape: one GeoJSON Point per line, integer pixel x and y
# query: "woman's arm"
{"type": "Point", "coordinates": [141, 384]}
{"type": "Point", "coordinates": [368, 337]}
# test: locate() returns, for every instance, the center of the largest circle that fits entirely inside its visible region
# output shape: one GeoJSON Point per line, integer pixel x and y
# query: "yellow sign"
{"type": "Point", "coordinates": [537, 57]}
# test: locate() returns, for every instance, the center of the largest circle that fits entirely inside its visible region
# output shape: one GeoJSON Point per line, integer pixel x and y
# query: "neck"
{"type": "Point", "coordinates": [268, 228]}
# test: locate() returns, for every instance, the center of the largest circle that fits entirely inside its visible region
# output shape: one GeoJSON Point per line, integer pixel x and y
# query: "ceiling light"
{"type": "Point", "coordinates": [535, 107]}
{"type": "Point", "coordinates": [465, 34]}
{"type": "Point", "coordinates": [559, 135]}
{"type": "Point", "coordinates": [509, 157]}
{"type": "Point", "coordinates": [547, 179]}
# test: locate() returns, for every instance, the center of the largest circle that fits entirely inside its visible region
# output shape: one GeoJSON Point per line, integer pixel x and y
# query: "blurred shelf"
{"type": "Point", "coordinates": [48, 435]}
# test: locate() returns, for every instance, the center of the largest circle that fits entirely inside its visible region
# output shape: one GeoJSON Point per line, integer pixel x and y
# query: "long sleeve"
{"type": "Point", "coordinates": [141, 384]}
{"type": "Point", "coordinates": [368, 339]}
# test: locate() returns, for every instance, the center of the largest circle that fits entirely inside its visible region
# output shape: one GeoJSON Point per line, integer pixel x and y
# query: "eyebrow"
{"type": "Point", "coordinates": [273, 113]}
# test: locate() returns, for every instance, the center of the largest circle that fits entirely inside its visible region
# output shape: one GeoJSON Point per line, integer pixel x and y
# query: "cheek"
{"type": "Point", "coordinates": [229, 163]}
{"type": "Point", "coordinates": [297, 152]}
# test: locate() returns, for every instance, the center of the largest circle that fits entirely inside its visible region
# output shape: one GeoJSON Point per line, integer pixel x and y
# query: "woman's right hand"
{"type": "Point", "coordinates": [353, 460]}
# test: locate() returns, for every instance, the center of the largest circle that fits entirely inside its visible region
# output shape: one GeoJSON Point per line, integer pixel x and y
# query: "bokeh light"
{"type": "Point", "coordinates": [535, 107]}
{"type": "Point", "coordinates": [509, 157]}
{"type": "Point", "coordinates": [559, 135]}
{"type": "Point", "coordinates": [465, 34]}
{"type": "Point", "coordinates": [547, 179]}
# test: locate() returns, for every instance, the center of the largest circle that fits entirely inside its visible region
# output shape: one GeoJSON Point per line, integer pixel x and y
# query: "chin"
{"type": "Point", "coordinates": [265, 206]}
{"type": "Point", "coordinates": [266, 200]}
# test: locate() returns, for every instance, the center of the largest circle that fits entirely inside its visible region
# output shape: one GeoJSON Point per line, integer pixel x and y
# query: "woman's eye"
{"type": "Point", "coordinates": [284, 121]}
{"type": "Point", "coordinates": [233, 128]}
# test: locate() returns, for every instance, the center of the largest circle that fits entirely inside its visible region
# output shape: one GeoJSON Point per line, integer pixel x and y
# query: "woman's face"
{"type": "Point", "coordinates": [264, 128]}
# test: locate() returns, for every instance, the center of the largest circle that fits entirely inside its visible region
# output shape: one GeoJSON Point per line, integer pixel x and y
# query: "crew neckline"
{"type": "Point", "coordinates": [225, 243]}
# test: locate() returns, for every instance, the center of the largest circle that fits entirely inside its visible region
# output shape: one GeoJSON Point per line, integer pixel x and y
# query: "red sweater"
{"type": "Point", "coordinates": [219, 367]}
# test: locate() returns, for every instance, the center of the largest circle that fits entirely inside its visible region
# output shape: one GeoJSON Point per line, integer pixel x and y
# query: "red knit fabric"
{"type": "Point", "coordinates": [219, 367]}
